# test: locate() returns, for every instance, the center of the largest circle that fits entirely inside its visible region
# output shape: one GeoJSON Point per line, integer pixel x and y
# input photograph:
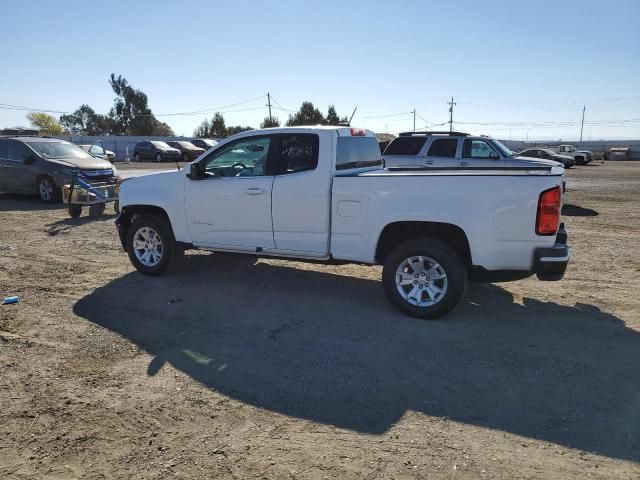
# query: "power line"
{"type": "Point", "coordinates": [6, 106]}
{"type": "Point", "coordinates": [389, 115]}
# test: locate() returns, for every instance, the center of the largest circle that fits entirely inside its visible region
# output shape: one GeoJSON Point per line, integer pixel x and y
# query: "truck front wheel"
{"type": "Point", "coordinates": [424, 278]}
{"type": "Point", "coordinates": [151, 246]}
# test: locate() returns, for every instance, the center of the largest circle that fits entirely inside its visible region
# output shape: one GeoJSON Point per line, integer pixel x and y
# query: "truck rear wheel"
{"type": "Point", "coordinates": [424, 278]}
{"type": "Point", "coordinates": [151, 246]}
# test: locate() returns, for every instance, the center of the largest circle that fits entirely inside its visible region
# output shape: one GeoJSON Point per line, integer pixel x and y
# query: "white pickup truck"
{"type": "Point", "coordinates": [320, 193]}
{"type": "Point", "coordinates": [582, 157]}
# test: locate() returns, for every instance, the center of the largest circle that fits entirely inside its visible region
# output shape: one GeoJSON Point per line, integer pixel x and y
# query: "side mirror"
{"type": "Point", "coordinates": [195, 171]}
{"type": "Point", "coordinates": [494, 156]}
{"type": "Point", "coordinates": [30, 159]}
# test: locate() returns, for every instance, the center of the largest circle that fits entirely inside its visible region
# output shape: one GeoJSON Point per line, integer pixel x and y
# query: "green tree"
{"type": "Point", "coordinates": [237, 129]}
{"type": "Point", "coordinates": [202, 130]}
{"type": "Point", "coordinates": [333, 118]}
{"type": "Point", "coordinates": [218, 127]}
{"type": "Point", "coordinates": [307, 115]}
{"type": "Point", "coordinates": [270, 122]}
{"type": "Point", "coordinates": [85, 121]}
{"type": "Point", "coordinates": [47, 124]}
{"type": "Point", "coordinates": [162, 129]}
{"type": "Point", "coordinates": [130, 113]}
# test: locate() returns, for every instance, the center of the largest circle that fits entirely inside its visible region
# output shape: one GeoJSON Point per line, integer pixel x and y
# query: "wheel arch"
{"type": "Point", "coordinates": [393, 234]}
{"type": "Point", "coordinates": [129, 212]}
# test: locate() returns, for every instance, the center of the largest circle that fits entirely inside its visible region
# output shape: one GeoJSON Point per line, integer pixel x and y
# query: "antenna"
{"type": "Point", "coordinates": [354, 112]}
{"type": "Point", "coordinates": [269, 105]}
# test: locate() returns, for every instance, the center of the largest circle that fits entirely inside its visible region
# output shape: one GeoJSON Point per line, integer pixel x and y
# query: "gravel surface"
{"type": "Point", "coordinates": [237, 367]}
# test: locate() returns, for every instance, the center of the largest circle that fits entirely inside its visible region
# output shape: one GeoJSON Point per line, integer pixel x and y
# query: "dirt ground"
{"type": "Point", "coordinates": [241, 368]}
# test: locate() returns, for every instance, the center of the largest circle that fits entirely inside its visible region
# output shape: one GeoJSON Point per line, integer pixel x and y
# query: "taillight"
{"type": "Point", "coordinates": [548, 217]}
{"type": "Point", "coordinates": [358, 132]}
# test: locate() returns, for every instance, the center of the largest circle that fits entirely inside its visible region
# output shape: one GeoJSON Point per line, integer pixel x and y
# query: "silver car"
{"type": "Point", "coordinates": [98, 150]}
{"type": "Point", "coordinates": [452, 150]}
{"type": "Point", "coordinates": [42, 166]}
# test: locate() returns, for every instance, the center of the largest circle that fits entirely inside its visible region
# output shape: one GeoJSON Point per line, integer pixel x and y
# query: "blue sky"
{"type": "Point", "coordinates": [516, 69]}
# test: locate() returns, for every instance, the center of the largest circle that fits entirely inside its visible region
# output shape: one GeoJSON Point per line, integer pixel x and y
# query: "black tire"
{"type": "Point", "coordinates": [97, 209]}
{"type": "Point", "coordinates": [136, 157]}
{"type": "Point", "coordinates": [171, 252]}
{"type": "Point", "coordinates": [158, 158]}
{"type": "Point", "coordinates": [450, 262]}
{"type": "Point", "coordinates": [46, 184]}
{"type": "Point", "coordinates": [580, 160]}
{"type": "Point", "coordinates": [75, 211]}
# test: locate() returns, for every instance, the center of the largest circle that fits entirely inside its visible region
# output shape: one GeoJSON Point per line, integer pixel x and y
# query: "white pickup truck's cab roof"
{"type": "Point", "coordinates": [341, 130]}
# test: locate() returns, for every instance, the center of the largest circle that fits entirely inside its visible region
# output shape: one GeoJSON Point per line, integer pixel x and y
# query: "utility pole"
{"type": "Point", "coordinates": [269, 105]}
{"type": "Point", "coordinates": [584, 107]}
{"type": "Point", "coordinates": [451, 104]}
{"type": "Point", "coordinates": [414, 118]}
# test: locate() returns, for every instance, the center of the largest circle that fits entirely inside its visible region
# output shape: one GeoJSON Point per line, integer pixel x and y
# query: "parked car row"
{"type": "Point", "coordinates": [548, 154]}
{"type": "Point", "coordinates": [157, 150]}
{"type": "Point", "coordinates": [171, 151]}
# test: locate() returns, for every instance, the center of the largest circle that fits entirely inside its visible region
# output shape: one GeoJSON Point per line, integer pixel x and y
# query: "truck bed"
{"type": "Point", "coordinates": [496, 208]}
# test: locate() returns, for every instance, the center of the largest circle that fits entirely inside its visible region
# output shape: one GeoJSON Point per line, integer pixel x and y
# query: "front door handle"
{"type": "Point", "coordinates": [254, 191]}
{"type": "Point", "coordinates": [464, 163]}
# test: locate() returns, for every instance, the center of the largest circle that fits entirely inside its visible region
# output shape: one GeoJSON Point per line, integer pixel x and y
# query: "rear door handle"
{"type": "Point", "coordinates": [254, 191]}
{"type": "Point", "coordinates": [464, 164]}
{"type": "Point", "coordinates": [429, 162]}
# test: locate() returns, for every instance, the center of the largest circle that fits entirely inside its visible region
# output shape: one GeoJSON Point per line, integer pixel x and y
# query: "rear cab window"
{"type": "Point", "coordinates": [357, 152]}
{"type": "Point", "coordinates": [405, 146]}
{"type": "Point", "coordinates": [299, 153]}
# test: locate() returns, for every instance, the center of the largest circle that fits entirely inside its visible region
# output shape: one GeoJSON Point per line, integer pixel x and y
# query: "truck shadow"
{"type": "Point", "coordinates": [569, 210]}
{"type": "Point", "coordinates": [329, 348]}
{"type": "Point", "coordinates": [67, 224]}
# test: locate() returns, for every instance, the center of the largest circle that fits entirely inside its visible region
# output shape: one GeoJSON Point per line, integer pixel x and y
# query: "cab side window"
{"type": "Point", "coordinates": [443, 147]}
{"type": "Point", "coordinates": [298, 153]}
{"type": "Point", "coordinates": [477, 149]}
{"type": "Point", "coordinates": [246, 157]}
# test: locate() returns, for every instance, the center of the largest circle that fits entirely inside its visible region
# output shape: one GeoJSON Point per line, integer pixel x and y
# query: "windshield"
{"type": "Point", "coordinates": [504, 150]}
{"type": "Point", "coordinates": [58, 150]}
{"type": "Point", "coordinates": [211, 143]}
{"type": "Point", "coordinates": [160, 145]}
{"type": "Point", "coordinates": [185, 144]}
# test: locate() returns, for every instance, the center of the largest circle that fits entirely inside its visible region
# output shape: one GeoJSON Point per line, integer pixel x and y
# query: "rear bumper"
{"type": "Point", "coordinates": [550, 263]}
